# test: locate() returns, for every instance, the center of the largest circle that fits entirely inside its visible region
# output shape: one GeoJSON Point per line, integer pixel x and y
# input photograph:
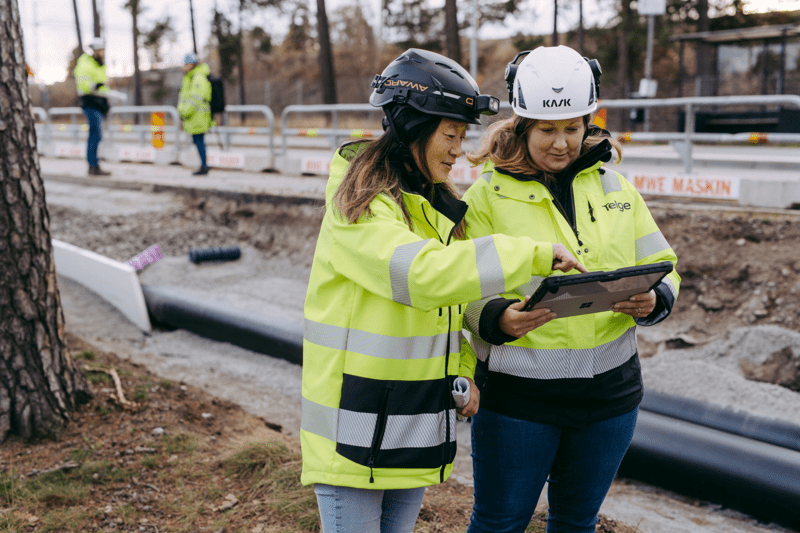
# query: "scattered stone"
{"type": "Point", "coordinates": [740, 242]}
{"type": "Point", "coordinates": [143, 449]}
{"type": "Point", "coordinates": [158, 432]}
{"type": "Point", "coordinates": [710, 303]}
{"type": "Point", "coordinates": [782, 368]}
{"type": "Point", "coordinates": [207, 416]}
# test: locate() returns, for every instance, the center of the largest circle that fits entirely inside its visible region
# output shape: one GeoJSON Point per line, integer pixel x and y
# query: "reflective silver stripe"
{"type": "Point", "coordinates": [402, 431]}
{"type": "Point", "coordinates": [319, 420]}
{"type": "Point", "coordinates": [325, 335]}
{"type": "Point", "coordinates": [481, 348]}
{"type": "Point", "coordinates": [377, 345]}
{"type": "Point", "coordinates": [672, 289]}
{"type": "Point", "coordinates": [487, 176]}
{"type": "Point", "coordinates": [562, 363]}
{"type": "Point", "coordinates": [530, 287]}
{"type": "Point", "coordinates": [399, 268]}
{"type": "Point", "coordinates": [472, 315]}
{"type": "Point", "coordinates": [610, 182]}
{"type": "Point", "coordinates": [650, 244]}
{"type": "Point", "coordinates": [490, 269]}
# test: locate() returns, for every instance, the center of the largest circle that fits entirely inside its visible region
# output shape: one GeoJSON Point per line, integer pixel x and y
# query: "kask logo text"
{"type": "Point", "coordinates": [557, 103]}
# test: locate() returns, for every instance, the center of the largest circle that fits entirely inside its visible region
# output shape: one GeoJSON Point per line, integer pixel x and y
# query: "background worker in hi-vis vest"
{"type": "Point", "coordinates": [391, 276]}
{"type": "Point", "coordinates": [560, 400]}
{"type": "Point", "coordinates": [92, 84]}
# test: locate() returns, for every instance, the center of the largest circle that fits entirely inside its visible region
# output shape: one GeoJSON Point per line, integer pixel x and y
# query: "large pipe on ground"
{"type": "Point", "coordinates": [215, 320]}
{"type": "Point", "coordinates": [759, 478]}
{"type": "Point", "coordinates": [744, 461]}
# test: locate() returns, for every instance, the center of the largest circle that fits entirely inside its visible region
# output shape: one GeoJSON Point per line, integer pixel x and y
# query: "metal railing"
{"type": "Point", "coordinates": [41, 113]}
{"type": "Point", "coordinates": [227, 131]}
{"type": "Point", "coordinates": [144, 129]}
{"type": "Point", "coordinates": [682, 141]}
{"type": "Point", "coordinates": [334, 132]}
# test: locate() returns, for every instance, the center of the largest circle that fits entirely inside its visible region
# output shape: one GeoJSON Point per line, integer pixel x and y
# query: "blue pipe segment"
{"type": "Point", "coordinates": [215, 320]}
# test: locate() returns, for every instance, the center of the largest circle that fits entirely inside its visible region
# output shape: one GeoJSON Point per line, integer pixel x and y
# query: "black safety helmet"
{"type": "Point", "coordinates": [432, 84]}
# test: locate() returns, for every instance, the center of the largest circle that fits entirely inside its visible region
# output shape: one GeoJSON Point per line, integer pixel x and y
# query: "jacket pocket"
{"type": "Point", "coordinates": [380, 430]}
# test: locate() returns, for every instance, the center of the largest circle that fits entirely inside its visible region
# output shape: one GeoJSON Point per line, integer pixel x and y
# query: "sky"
{"type": "Point", "coordinates": [49, 27]}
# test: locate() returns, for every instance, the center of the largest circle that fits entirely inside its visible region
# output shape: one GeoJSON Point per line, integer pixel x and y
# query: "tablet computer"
{"type": "Point", "coordinates": [581, 294]}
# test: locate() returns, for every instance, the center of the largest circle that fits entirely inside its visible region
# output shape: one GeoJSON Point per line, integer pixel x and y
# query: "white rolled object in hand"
{"type": "Point", "coordinates": [116, 96]}
{"type": "Point", "coordinates": [461, 392]}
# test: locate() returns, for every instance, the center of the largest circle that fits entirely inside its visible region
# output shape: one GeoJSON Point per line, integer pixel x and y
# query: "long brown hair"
{"type": "Point", "coordinates": [506, 145]}
{"type": "Point", "coordinates": [376, 168]}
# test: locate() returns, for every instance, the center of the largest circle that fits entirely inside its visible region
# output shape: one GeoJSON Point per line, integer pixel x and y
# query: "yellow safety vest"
{"type": "Point", "coordinates": [616, 230]}
{"type": "Point", "coordinates": [383, 338]}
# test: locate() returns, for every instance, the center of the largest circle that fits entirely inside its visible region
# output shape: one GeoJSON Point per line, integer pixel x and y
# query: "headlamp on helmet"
{"type": "Point", "coordinates": [434, 85]}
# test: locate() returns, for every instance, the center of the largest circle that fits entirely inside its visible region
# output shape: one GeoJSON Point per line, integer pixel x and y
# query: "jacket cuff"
{"type": "Point", "coordinates": [490, 321]}
{"type": "Point", "coordinates": [664, 303]}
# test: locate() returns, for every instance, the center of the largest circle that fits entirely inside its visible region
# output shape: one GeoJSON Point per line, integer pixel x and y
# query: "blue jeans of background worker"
{"type": "Point", "coordinates": [200, 142]}
{"type": "Point", "coordinates": [94, 117]}
{"type": "Point", "coordinates": [349, 510]}
{"type": "Point", "coordinates": [513, 458]}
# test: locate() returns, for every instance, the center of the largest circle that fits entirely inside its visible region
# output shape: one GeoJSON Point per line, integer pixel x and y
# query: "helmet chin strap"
{"type": "Point", "coordinates": [414, 180]}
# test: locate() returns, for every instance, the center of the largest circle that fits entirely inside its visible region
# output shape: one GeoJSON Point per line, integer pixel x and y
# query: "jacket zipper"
{"type": "Point", "coordinates": [380, 429]}
{"type": "Point", "coordinates": [446, 445]}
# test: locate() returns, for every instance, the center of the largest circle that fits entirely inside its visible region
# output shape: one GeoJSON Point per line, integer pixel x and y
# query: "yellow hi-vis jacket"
{"type": "Point", "coordinates": [194, 100]}
{"type": "Point", "coordinates": [383, 337]}
{"type": "Point", "coordinates": [88, 74]}
{"type": "Point", "coordinates": [616, 230]}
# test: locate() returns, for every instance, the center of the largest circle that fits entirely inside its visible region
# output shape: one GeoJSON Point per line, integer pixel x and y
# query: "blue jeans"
{"type": "Point", "coordinates": [95, 119]}
{"type": "Point", "coordinates": [512, 460]}
{"type": "Point", "coordinates": [200, 142]}
{"type": "Point", "coordinates": [349, 510]}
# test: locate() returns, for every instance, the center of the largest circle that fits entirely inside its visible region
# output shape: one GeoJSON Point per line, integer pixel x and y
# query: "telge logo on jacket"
{"type": "Point", "coordinates": [617, 205]}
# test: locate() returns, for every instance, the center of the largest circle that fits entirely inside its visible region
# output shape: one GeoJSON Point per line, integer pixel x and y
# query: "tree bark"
{"type": "Point", "coordinates": [623, 30]}
{"type": "Point", "coordinates": [452, 42]}
{"type": "Point", "coordinates": [326, 69]}
{"type": "Point", "coordinates": [703, 51]}
{"type": "Point", "coordinates": [39, 383]}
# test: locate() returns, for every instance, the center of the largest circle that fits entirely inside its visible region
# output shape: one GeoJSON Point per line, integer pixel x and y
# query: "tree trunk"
{"type": "Point", "coordinates": [452, 42]}
{"type": "Point", "coordinates": [39, 383]}
{"type": "Point", "coordinates": [623, 30]}
{"type": "Point", "coordinates": [703, 51]}
{"type": "Point", "coordinates": [326, 70]}
{"type": "Point", "coordinates": [137, 78]}
{"type": "Point", "coordinates": [555, 23]}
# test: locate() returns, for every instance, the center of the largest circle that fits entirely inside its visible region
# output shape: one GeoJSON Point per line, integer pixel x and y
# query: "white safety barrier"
{"type": "Point", "coordinates": [115, 282]}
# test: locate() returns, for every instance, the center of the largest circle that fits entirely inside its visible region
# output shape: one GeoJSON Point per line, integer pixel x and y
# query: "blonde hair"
{"type": "Point", "coordinates": [506, 145]}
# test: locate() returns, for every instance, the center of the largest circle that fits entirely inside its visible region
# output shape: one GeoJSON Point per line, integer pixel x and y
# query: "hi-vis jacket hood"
{"type": "Point", "coordinates": [89, 74]}
{"type": "Point", "coordinates": [612, 229]}
{"type": "Point", "coordinates": [383, 342]}
{"type": "Point", "coordinates": [194, 100]}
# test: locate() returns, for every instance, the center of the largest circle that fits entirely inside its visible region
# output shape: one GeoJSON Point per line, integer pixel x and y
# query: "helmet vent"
{"type": "Point", "coordinates": [557, 89]}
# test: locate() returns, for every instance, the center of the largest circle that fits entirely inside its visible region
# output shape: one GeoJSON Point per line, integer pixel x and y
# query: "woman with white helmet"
{"type": "Point", "coordinates": [560, 395]}
{"type": "Point", "coordinates": [391, 275]}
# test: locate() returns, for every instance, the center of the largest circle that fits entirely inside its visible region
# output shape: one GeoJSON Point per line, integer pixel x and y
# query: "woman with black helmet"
{"type": "Point", "coordinates": [391, 276]}
{"type": "Point", "coordinates": [560, 400]}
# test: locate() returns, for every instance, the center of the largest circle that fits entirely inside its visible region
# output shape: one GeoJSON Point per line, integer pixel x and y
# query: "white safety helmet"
{"type": "Point", "coordinates": [554, 83]}
{"type": "Point", "coordinates": [97, 43]}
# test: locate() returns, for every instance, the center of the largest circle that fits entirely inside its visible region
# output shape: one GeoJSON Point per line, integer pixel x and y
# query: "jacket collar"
{"type": "Point", "coordinates": [600, 152]}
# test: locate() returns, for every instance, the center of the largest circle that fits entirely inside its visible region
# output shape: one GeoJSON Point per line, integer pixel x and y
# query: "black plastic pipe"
{"type": "Point", "coordinates": [740, 460]}
{"type": "Point", "coordinates": [215, 320]}
{"type": "Point", "coordinates": [771, 430]}
{"type": "Point", "coordinates": [759, 478]}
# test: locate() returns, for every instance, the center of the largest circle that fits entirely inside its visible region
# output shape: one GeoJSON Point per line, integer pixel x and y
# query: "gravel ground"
{"type": "Point", "coordinates": [699, 352]}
